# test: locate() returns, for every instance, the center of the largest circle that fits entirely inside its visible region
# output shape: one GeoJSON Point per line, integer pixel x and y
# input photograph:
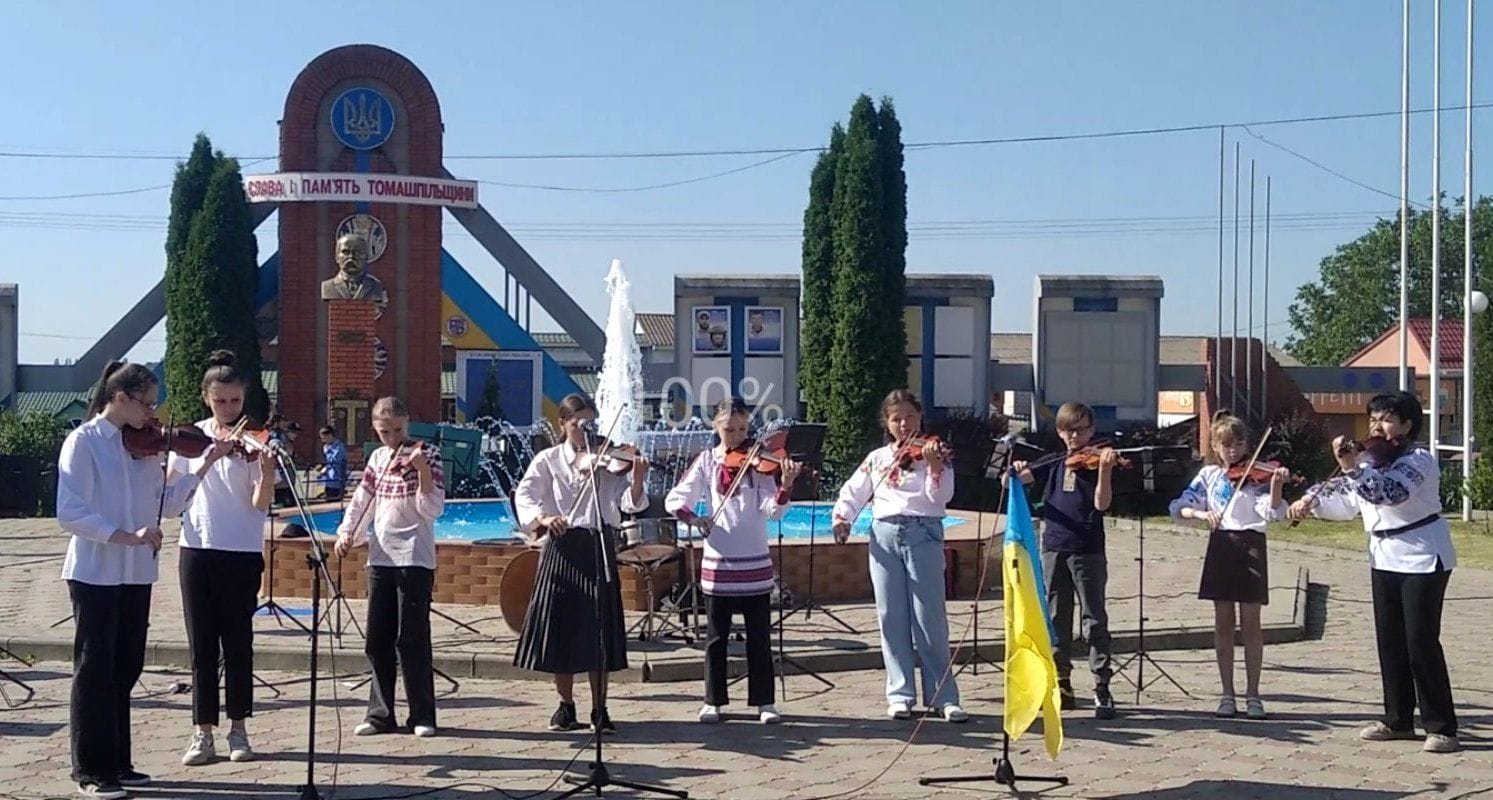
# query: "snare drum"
{"type": "Point", "coordinates": [646, 540]}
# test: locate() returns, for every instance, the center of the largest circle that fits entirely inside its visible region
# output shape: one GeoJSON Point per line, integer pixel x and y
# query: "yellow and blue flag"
{"type": "Point", "coordinates": [1031, 675]}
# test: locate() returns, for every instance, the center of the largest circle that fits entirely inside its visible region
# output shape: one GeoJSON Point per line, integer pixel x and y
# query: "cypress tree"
{"type": "Point", "coordinates": [856, 375]}
{"type": "Point", "coordinates": [188, 314]}
{"type": "Point", "coordinates": [892, 345]}
{"type": "Point", "coordinates": [210, 296]}
{"type": "Point", "coordinates": [818, 281]}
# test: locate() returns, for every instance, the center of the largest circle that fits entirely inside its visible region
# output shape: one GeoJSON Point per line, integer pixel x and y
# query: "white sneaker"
{"type": "Point", "coordinates": [710, 714]}
{"type": "Point", "coordinates": [1441, 743]}
{"type": "Point", "coordinates": [769, 715]}
{"type": "Point", "coordinates": [102, 791]}
{"type": "Point", "coordinates": [424, 731]}
{"type": "Point", "coordinates": [365, 729]}
{"type": "Point", "coordinates": [953, 713]}
{"type": "Point", "coordinates": [899, 709]}
{"type": "Point", "coordinates": [200, 751]}
{"type": "Point", "coordinates": [238, 746]}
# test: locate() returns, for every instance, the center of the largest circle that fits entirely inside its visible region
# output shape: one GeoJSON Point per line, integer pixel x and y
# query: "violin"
{"type": "Point", "coordinates": [1376, 451]}
{"type": "Point", "coordinates": [155, 439]}
{"type": "Point", "coordinates": [910, 450]}
{"type": "Point", "coordinates": [614, 457]}
{"type": "Point", "coordinates": [766, 456]}
{"type": "Point", "coordinates": [1087, 458]}
{"type": "Point", "coordinates": [1261, 472]}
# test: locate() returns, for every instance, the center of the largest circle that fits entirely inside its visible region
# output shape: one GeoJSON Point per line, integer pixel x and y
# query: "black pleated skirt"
{"type": "Point", "coordinates": [560, 627]}
{"type": "Point", "coordinates": [1235, 569]}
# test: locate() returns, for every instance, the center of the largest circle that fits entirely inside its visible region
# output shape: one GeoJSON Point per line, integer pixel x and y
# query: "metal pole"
{"type": "Point", "coordinates": [1467, 284]}
{"type": "Point", "coordinates": [1435, 386]}
{"type": "Point", "coordinates": [1405, 196]}
{"type": "Point", "coordinates": [1234, 339]}
{"type": "Point", "coordinates": [1265, 314]}
{"type": "Point", "coordinates": [1218, 340]}
{"type": "Point", "coordinates": [1249, 337]}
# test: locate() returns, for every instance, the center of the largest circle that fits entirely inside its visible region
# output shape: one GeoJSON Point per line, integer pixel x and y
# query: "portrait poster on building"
{"type": "Point", "coordinates": [712, 329]}
{"type": "Point", "coordinates": [764, 332]}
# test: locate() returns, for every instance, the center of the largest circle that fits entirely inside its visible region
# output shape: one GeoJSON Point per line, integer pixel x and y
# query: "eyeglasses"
{"type": "Point", "coordinates": [148, 406]}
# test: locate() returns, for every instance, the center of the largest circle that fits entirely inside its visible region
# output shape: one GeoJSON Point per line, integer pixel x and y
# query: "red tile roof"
{"type": "Point", "coordinates": [1449, 341]}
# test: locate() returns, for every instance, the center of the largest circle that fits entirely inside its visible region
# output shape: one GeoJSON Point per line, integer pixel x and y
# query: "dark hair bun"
{"type": "Point", "coordinates": [221, 358]}
{"type": "Point", "coordinates": [1223, 414]}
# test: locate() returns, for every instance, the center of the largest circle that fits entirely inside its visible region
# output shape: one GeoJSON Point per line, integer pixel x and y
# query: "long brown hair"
{"type": "Point", "coordinates": [132, 379]}
{"type": "Point", "coordinates": [574, 404]}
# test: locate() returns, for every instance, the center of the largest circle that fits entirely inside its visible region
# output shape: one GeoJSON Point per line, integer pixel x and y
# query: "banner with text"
{"type": "Point", "coordinates": [359, 187]}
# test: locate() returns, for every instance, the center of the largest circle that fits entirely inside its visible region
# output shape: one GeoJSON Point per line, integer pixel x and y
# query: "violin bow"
{"type": "Point", "coordinates": [1239, 485]}
{"type": "Point", "coordinates": [1311, 496]}
{"type": "Point", "coordinates": [881, 478]}
{"type": "Point", "coordinates": [606, 444]}
{"type": "Point", "coordinates": [735, 483]}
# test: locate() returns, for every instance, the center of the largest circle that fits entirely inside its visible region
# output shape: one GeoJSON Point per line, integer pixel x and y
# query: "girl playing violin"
{"type": "Point", "coordinates": [112, 505]}
{"type": "Point", "coordinates": [736, 575]}
{"type": "Point", "coordinates": [908, 494]}
{"type": "Point", "coordinates": [565, 501]}
{"type": "Point", "coordinates": [1074, 500]}
{"type": "Point", "coordinates": [1235, 570]}
{"type": "Point", "coordinates": [1411, 558]}
{"type": "Point", "coordinates": [222, 541]}
{"type": "Point", "coordinates": [402, 492]}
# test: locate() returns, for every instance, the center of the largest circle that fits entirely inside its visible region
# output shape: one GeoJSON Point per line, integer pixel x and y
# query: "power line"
{"type": "Point", "coordinates": [1324, 167]}
{"type": "Point", "coordinates": [785, 151]}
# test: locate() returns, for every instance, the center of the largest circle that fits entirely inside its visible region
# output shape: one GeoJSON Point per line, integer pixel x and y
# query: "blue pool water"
{"type": "Point", "coordinates": [469, 521]}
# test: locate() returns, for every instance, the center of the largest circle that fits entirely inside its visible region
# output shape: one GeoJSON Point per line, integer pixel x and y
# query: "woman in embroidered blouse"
{"type": "Point", "coordinates": [1411, 559]}
{"type": "Point", "coordinates": [221, 558]}
{"type": "Point", "coordinates": [736, 575]}
{"type": "Point", "coordinates": [1235, 569]}
{"type": "Point", "coordinates": [109, 503]}
{"type": "Point", "coordinates": [907, 559]}
{"type": "Point", "coordinates": [558, 509]}
{"type": "Point", "coordinates": [404, 488]}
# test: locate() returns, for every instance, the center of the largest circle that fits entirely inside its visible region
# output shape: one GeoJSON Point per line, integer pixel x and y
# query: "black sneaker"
{"type": "Point", "coordinates": [601, 721]}
{"type": "Point", "coordinates": [564, 718]}
{"type": "Point", "coordinates": [106, 790]}
{"type": "Point", "coordinates": [132, 777]}
{"type": "Point", "coordinates": [1066, 700]}
{"type": "Point", "coordinates": [1104, 703]}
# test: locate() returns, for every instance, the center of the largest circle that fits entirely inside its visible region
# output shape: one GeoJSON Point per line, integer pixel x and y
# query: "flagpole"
{"type": "Point", "coordinates": [1435, 386]}
{"type": "Point", "coordinates": [1467, 282]}
{"type": "Point", "coordinates": [1234, 340]}
{"type": "Point", "coordinates": [1249, 337]}
{"type": "Point", "coordinates": [1218, 340]}
{"type": "Point", "coordinates": [1265, 313]}
{"type": "Point", "coordinates": [1405, 196]}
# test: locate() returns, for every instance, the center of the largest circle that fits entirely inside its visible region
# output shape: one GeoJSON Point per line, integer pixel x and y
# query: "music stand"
{"type": "Point", "coordinates": [1147, 456]}
{"type": "Point", "coordinates": [279, 612]}
{"type": "Point", "coordinates": [805, 444]}
{"type": "Point", "coordinates": [6, 677]}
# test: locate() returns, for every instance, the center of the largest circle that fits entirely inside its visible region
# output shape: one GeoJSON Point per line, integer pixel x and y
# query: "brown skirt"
{"type": "Point", "coordinates": [1235, 569]}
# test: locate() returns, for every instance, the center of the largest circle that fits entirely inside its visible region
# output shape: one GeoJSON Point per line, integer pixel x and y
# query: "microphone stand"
{"type": "Point", "coordinates": [598, 777]}
{"type": "Point", "coordinates": [973, 664]}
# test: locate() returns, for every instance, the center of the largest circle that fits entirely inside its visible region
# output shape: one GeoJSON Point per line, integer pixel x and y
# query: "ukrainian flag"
{"type": "Point", "coordinates": [1031, 675]}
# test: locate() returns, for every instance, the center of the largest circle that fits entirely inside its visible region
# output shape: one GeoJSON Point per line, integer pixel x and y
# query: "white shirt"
{"type": "Point", "coordinates": [737, 561]}
{"type": "Point", "coordinates": [1407, 491]}
{"type": "Point", "coordinates": [222, 515]}
{"type": "Point", "coordinates": [1211, 490]}
{"type": "Point", "coordinates": [554, 480]}
{"type": "Point", "coordinates": [403, 517]}
{"type": "Point", "coordinates": [897, 492]}
{"type": "Point", "coordinates": [102, 489]}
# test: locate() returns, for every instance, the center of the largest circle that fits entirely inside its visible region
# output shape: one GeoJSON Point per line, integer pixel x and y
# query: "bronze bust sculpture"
{"type": "Point", "coordinates": [353, 281]}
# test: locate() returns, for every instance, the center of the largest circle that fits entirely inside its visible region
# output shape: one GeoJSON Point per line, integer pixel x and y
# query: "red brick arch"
{"type": "Point", "coordinates": [410, 267]}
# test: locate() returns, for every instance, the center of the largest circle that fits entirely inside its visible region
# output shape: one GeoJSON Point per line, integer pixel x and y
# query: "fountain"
{"type": "Point", "coordinates": [619, 387]}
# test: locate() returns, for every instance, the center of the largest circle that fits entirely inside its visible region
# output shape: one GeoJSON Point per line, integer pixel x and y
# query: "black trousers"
{"type": "Point", "coordinates": [1084, 575]}
{"type": "Point", "coordinates": [219, 592]}
{"type": "Point", "coordinates": [399, 636]}
{"type": "Point", "coordinates": [1407, 627]}
{"type": "Point", "coordinates": [756, 610]}
{"type": "Point", "coordinates": [108, 656]}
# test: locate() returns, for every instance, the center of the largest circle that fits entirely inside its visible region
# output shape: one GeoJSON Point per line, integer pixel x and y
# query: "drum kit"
{"type": "Point", "coordinates": [645, 546]}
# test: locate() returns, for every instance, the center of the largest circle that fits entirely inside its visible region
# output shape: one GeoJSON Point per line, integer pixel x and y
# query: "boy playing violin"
{"type": "Point", "coordinates": [1073, 560]}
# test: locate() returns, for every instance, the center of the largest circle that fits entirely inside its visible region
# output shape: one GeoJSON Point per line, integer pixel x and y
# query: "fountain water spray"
{"type": "Point", "coordinates": [620, 385]}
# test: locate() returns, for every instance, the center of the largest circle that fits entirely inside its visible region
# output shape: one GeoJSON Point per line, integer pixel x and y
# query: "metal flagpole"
{"type": "Point", "coordinates": [1265, 314]}
{"type": "Point", "coordinates": [1467, 285]}
{"type": "Point", "coordinates": [1405, 196]}
{"type": "Point", "coordinates": [1234, 340]}
{"type": "Point", "coordinates": [1218, 340]}
{"type": "Point", "coordinates": [1249, 337]}
{"type": "Point", "coordinates": [1435, 386]}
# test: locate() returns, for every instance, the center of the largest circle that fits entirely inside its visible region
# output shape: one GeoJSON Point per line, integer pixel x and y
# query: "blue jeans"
{"type": "Point", "coordinates": [907, 571]}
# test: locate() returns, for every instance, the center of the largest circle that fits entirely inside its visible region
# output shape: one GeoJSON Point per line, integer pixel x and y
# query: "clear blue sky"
{"type": "Point", "coordinates": [596, 78]}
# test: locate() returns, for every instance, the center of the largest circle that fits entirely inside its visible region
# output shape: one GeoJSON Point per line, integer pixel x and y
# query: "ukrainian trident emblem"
{"type": "Point", "coordinates": [362, 118]}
